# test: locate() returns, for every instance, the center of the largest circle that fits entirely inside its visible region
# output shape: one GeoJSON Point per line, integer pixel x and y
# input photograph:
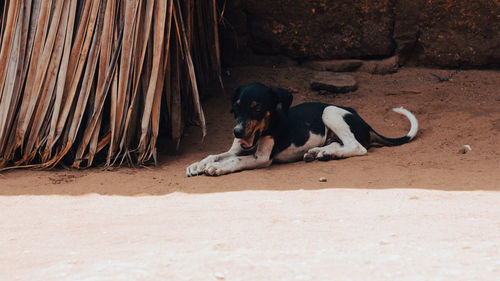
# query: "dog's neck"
{"type": "Point", "coordinates": [277, 123]}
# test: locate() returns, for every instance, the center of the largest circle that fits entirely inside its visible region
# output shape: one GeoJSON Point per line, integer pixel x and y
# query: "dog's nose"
{"type": "Point", "coordinates": [238, 131]}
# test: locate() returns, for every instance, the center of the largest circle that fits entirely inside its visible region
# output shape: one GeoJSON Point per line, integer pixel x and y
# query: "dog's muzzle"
{"type": "Point", "coordinates": [239, 131]}
{"type": "Point", "coordinates": [246, 142]}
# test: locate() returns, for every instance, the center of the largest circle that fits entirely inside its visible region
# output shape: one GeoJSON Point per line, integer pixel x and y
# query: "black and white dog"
{"type": "Point", "coordinates": [267, 131]}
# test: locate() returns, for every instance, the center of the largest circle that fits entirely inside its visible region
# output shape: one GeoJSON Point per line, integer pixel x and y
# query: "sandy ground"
{"type": "Point", "coordinates": [422, 211]}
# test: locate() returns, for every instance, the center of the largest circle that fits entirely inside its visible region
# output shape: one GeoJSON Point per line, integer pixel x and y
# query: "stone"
{"type": "Point", "coordinates": [452, 34]}
{"type": "Point", "coordinates": [465, 149]}
{"type": "Point", "coordinates": [448, 33]}
{"type": "Point", "coordinates": [321, 29]}
{"type": "Point", "coordinates": [334, 65]}
{"type": "Point", "coordinates": [322, 179]}
{"type": "Point", "coordinates": [406, 29]}
{"type": "Point", "coordinates": [384, 66]}
{"type": "Point", "coordinates": [220, 276]}
{"type": "Point", "coordinates": [333, 82]}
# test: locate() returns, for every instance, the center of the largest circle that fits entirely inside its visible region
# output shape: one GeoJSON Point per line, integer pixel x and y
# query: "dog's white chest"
{"type": "Point", "coordinates": [294, 153]}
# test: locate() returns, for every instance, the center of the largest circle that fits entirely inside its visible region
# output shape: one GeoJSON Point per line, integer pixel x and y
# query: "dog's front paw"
{"type": "Point", "coordinates": [198, 168]}
{"type": "Point", "coordinates": [215, 169]}
{"type": "Point", "coordinates": [194, 169]}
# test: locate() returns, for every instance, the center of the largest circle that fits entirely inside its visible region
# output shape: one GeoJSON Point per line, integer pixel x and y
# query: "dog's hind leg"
{"type": "Point", "coordinates": [333, 118]}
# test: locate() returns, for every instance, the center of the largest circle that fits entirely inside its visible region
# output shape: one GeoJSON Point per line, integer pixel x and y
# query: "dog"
{"type": "Point", "coordinates": [267, 130]}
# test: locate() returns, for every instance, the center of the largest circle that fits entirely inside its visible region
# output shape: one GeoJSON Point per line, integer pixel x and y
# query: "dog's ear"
{"type": "Point", "coordinates": [284, 98]}
{"type": "Point", "coordinates": [235, 95]}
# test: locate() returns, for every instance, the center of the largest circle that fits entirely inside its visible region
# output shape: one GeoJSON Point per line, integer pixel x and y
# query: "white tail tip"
{"type": "Point", "coordinates": [413, 121]}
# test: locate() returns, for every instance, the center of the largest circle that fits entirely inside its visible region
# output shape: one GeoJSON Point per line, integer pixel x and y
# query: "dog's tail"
{"type": "Point", "coordinates": [378, 138]}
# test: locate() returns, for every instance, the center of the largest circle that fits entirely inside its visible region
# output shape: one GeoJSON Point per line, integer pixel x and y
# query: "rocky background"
{"type": "Point", "coordinates": [442, 33]}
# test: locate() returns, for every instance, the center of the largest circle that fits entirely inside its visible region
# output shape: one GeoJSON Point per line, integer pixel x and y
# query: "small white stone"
{"type": "Point", "coordinates": [466, 148]}
{"type": "Point", "coordinates": [220, 276]}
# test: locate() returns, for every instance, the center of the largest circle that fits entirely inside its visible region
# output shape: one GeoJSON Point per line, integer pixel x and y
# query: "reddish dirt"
{"type": "Point", "coordinates": [421, 211]}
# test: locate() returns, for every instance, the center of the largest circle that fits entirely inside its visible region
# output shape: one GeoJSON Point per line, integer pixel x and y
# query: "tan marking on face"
{"type": "Point", "coordinates": [253, 104]}
{"type": "Point", "coordinates": [264, 123]}
{"type": "Point", "coordinates": [254, 125]}
{"type": "Point", "coordinates": [250, 128]}
{"type": "Point", "coordinates": [238, 102]}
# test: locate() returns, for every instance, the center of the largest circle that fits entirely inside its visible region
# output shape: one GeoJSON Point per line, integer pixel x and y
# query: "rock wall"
{"type": "Point", "coordinates": [446, 33]}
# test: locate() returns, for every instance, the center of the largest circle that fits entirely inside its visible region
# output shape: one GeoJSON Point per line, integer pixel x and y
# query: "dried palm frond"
{"type": "Point", "coordinates": [82, 78]}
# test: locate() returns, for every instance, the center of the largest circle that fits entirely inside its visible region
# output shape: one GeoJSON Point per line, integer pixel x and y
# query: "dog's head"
{"type": "Point", "coordinates": [253, 106]}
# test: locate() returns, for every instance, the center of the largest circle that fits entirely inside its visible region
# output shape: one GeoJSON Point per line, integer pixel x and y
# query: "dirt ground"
{"type": "Point", "coordinates": [421, 211]}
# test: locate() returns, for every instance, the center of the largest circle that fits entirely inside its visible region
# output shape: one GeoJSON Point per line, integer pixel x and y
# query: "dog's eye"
{"type": "Point", "coordinates": [257, 109]}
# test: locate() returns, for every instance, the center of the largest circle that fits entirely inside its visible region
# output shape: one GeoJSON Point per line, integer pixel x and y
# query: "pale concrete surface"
{"type": "Point", "coordinates": [334, 234]}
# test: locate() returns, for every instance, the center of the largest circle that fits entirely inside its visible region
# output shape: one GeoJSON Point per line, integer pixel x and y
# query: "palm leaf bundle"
{"type": "Point", "coordinates": [101, 79]}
